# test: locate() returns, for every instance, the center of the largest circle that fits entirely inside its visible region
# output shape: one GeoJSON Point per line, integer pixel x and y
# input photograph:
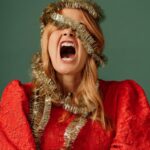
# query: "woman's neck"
{"type": "Point", "coordinates": [69, 83]}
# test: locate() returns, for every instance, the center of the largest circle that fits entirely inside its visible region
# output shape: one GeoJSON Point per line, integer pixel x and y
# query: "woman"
{"type": "Point", "coordinates": [66, 106]}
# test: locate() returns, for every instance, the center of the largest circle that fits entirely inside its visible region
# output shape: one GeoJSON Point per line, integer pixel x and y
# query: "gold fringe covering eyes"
{"type": "Point", "coordinates": [51, 15]}
{"type": "Point", "coordinates": [81, 32]}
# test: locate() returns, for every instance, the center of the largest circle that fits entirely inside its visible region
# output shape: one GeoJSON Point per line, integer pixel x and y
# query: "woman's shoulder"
{"type": "Point", "coordinates": [17, 87]}
{"type": "Point", "coordinates": [125, 90]}
{"type": "Point", "coordinates": [125, 86]}
{"type": "Point", "coordinates": [118, 83]}
{"type": "Point", "coordinates": [16, 93]}
{"type": "Point", "coordinates": [122, 95]}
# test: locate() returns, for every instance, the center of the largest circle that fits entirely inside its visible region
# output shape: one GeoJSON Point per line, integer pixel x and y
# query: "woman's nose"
{"type": "Point", "coordinates": [68, 32]}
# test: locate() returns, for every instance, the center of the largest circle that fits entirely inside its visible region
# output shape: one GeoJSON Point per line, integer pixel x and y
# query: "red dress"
{"type": "Point", "coordinates": [124, 102]}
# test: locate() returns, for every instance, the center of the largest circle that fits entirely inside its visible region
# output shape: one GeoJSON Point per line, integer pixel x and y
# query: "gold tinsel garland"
{"type": "Point", "coordinates": [81, 32]}
{"type": "Point", "coordinates": [51, 15]}
{"type": "Point", "coordinates": [90, 7]}
{"type": "Point", "coordinates": [40, 105]}
{"type": "Point", "coordinates": [73, 130]}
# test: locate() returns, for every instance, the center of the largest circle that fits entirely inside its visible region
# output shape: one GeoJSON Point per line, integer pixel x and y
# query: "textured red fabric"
{"type": "Point", "coordinates": [124, 102]}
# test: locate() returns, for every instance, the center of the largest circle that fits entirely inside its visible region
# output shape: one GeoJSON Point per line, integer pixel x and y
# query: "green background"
{"type": "Point", "coordinates": [126, 30]}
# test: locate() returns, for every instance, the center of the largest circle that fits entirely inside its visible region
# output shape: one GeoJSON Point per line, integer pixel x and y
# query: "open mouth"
{"type": "Point", "coordinates": [67, 50]}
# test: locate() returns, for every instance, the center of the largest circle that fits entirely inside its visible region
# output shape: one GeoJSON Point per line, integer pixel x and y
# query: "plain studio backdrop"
{"type": "Point", "coordinates": [126, 29]}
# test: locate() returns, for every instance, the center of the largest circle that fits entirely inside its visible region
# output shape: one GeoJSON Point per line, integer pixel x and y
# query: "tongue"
{"type": "Point", "coordinates": [67, 56]}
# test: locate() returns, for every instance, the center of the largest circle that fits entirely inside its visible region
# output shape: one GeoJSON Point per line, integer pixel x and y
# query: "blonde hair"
{"type": "Point", "coordinates": [87, 90]}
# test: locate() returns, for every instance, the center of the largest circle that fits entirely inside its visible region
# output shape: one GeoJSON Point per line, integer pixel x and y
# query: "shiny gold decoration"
{"type": "Point", "coordinates": [51, 15]}
{"type": "Point", "coordinates": [40, 104]}
{"type": "Point", "coordinates": [73, 130]}
{"type": "Point", "coordinates": [73, 108]}
{"type": "Point", "coordinates": [39, 129]}
{"type": "Point", "coordinates": [86, 5]}
{"type": "Point", "coordinates": [81, 32]}
{"type": "Point", "coordinates": [92, 8]}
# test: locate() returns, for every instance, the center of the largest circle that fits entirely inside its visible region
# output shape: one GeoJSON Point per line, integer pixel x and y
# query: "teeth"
{"type": "Point", "coordinates": [68, 44]}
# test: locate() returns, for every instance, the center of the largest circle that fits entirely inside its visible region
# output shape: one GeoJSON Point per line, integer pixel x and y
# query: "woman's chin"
{"type": "Point", "coordinates": [66, 70]}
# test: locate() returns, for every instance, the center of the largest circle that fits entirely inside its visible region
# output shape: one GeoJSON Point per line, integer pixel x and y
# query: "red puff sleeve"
{"type": "Point", "coordinates": [132, 119]}
{"type": "Point", "coordinates": [15, 132]}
